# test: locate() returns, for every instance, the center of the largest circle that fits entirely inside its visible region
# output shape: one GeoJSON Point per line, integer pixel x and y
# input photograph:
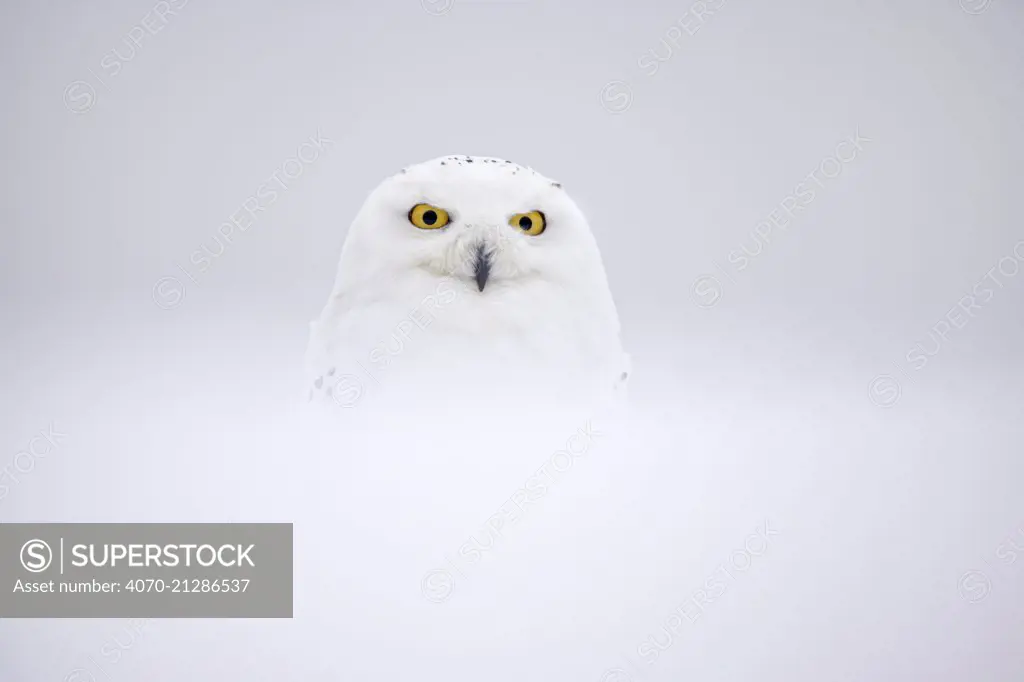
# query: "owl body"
{"type": "Point", "coordinates": [502, 295]}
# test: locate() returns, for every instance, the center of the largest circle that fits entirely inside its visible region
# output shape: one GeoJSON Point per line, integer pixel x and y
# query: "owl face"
{"type": "Point", "coordinates": [487, 221]}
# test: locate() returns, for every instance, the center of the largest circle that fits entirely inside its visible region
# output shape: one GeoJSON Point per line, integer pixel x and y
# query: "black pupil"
{"type": "Point", "coordinates": [430, 217]}
{"type": "Point", "coordinates": [525, 222]}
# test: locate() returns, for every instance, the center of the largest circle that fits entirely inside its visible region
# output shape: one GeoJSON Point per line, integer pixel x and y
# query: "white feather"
{"type": "Point", "coordinates": [406, 315]}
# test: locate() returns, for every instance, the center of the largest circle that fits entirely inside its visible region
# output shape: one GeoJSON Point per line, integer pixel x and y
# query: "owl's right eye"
{"type": "Point", "coordinates": [427, 217]}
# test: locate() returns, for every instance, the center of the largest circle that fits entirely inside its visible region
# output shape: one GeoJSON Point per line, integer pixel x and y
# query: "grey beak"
{"type": "Point", "coordinates": [481, 266]}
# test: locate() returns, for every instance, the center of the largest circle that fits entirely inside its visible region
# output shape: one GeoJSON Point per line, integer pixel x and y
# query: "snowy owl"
{"type": "Point", "coordinates": [467, 276]}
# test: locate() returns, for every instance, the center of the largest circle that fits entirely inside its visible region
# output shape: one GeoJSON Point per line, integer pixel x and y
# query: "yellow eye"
{"type": "Point", "coordinates": [531, 223]}
{"type": "Point", "coordinates": [427, 217]}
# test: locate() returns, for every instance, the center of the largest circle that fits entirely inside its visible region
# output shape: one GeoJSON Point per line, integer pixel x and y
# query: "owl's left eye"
{"type": "Point", "coordinates": [531, 223]}
{"type": "Point", "coordinates": [427, 217]}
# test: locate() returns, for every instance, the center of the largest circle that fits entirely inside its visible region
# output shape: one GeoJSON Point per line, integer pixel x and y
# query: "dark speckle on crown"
{"type": "Point", "coordinates": [484, 160]}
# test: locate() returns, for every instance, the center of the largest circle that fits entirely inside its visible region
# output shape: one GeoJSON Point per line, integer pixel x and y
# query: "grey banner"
{"type": "Point", "coordinates": [151, 570]}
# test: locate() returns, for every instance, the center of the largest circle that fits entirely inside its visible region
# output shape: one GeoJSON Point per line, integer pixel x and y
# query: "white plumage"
{"type": "Point", "coordinates": [480, 355]}
{"type": "Point", "coordinates": [479, 305]}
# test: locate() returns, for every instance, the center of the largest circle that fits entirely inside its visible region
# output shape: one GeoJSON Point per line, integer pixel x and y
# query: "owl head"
{"type": "Point", "coordinates": [489, 222]}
